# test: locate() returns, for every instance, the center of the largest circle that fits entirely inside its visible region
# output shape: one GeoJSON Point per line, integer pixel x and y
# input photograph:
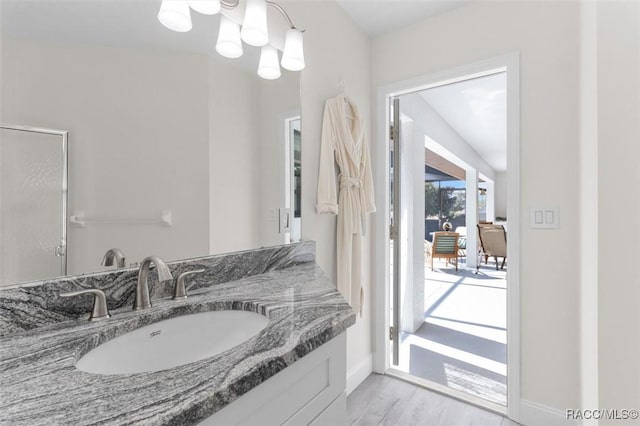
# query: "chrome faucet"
{"type": "Point", "coordinates": [143, 301]}
{"type": "Point", "coordinates": [115, 257]}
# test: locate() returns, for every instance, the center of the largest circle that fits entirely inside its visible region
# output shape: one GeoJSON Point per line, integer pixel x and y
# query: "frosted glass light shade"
{"type": "Point", "coordinates": [206, 7]}
{"type": "Point", "coordinates": [293, 54]}
{"type": "Point", "coordinates": [229, 44]}
{"type": "Point", "coordinates": [269, 68]}
{"type": "Point", "coordinates": [254, 28]}
{"type": "Point", "coordinates": [175, 15]}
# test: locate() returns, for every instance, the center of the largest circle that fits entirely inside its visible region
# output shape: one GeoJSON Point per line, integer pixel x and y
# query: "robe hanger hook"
{"type": "Point", "coordinates": [342, 85]}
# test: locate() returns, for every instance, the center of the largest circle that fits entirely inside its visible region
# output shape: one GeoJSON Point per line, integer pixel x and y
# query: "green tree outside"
{"type": "Point", "coordinates": [445, 203]}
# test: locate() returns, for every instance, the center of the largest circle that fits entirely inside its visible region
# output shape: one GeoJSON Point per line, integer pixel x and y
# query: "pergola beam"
{"type": "Point", "coordinates": [432, 159]}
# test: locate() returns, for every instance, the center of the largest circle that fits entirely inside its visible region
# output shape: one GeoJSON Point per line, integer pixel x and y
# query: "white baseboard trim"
{"type": "Point", "coordinates": [357, 374]}
{"type": "Point", "coordinates": [536, 414]}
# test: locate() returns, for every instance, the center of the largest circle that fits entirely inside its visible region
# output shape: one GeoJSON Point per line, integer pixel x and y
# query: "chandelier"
{"type": "Point", "coordinates": [176, 15]}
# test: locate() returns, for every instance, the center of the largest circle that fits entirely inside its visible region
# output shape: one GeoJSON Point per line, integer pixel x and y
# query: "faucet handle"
{"type": "Point", "coordinates": [180, 292]}
{"type": "Point", "coordinates": [100, 310]}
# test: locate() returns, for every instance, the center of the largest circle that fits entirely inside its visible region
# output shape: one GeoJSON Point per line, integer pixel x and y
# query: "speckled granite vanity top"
{"type": "Point", "coordinates": [41, 386]}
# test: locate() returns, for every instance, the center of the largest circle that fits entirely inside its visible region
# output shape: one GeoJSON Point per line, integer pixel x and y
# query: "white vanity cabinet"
{"type": "Point", "coordinates": [311, 391]}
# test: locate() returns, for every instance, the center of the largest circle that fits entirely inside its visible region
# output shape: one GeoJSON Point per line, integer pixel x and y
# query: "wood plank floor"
{"type": "Point", "coordinates": [384, 400]}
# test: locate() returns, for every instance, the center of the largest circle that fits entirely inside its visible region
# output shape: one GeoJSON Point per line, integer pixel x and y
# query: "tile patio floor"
{"type": "Point", "coordinates": [462, 343]}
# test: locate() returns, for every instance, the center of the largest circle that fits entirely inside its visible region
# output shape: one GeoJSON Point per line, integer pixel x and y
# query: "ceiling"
{"type": "Point", "coordinates": [126, 22]}
{"type": "Point", "coordinates": [133, 23]}
{"type": "Point", "coordinates": [477, 110]}
{"type": "Point", "coordinates": [377, 17]}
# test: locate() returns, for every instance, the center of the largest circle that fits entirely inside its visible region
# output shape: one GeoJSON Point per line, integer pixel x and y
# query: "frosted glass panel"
{"type": "Point", "coordinates": [31, 206]}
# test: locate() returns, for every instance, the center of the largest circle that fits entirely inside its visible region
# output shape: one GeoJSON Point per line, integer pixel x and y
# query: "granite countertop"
{"type": "Point", "coordinates": [41, 386]}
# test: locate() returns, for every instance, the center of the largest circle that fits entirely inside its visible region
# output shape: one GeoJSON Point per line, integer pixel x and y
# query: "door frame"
{"type": "Point", "coordinates": [287, 202]}
{"type": "Point", "coordinates": [381, 269]}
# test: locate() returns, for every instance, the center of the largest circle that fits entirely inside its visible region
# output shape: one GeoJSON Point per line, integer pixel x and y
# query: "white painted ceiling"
{"type": "Point", "coordinates": [477, 110]}
{"type": "Point", "coordinates": [377, 17]}
{"type": "Point", "coordinates": [133, 23]}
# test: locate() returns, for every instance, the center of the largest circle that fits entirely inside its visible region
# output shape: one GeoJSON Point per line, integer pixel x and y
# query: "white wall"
{"type": "Point", "coordinates": [247, 155]}
{"type": "Point", "coordinates": [234, 155]}
{"type": "Point", "coordinates": [279, 100]}
{"type": "Point", "coordinates": [120, 106]}
{"type": "Point", "coordinates": [546, 35]}
{"type": "Point", "coordinates": [618, 79]}
{"type": "Point", "coordinates": [335, 48]}
{"type": "Point", "coordinates": [412, 203]}
{"type": "Point", "coordinates": [500, 191]}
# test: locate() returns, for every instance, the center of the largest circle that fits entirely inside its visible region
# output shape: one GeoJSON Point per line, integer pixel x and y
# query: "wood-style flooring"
{"type": "Point", "coordinates": [384, 400]}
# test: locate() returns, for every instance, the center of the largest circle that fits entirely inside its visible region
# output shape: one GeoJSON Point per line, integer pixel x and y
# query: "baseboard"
{"type": "Point", "coordinates": [357, 374]}
{"type": "Point", "coordinates": [535, 414]}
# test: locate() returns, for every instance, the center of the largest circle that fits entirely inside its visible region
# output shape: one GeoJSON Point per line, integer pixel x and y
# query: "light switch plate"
{"type": "Point", "coordinates": [285, 220]}
{"type": "Point", "coordinates": [544, 218]}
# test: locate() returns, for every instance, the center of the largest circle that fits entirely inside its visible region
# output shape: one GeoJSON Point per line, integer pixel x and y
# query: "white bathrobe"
{"type": "Point", "coordinates": [351, 196]}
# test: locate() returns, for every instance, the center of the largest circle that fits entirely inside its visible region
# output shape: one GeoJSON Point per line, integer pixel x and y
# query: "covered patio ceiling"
{"type": "Point", "coordinates": [438, 168]}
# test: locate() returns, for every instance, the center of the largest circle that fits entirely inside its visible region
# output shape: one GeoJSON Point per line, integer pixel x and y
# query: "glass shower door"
{"type": "Point", "coordinates": [33, 180]}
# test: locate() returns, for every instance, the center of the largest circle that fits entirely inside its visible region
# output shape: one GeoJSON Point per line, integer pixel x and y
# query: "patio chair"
{"type": "Point", "coordinates": [493, 243]}
{"type": "Point", "coordinates": [444, 246]}
{"type": "Point", "coordinates": [462, 241]}
{"type": "Point", "coordinates": [480, 251]}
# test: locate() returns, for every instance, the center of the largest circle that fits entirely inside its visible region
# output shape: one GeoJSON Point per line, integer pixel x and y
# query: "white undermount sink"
{"type": "Point", "coordinates": [173, 342]}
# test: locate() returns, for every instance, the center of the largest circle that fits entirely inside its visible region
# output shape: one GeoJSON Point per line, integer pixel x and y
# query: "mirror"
{"type": "Point", "coordinates": [173, 150]}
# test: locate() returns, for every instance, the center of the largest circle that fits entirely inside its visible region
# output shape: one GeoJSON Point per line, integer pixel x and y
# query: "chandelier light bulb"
{"type": "Point", "coordinates": [293, 54]}
{"type": "Point", "coordinates": [269, 68]}
{"type": "Point", "coordinates": [254, 28]}
{"type": "Point", "coordinates": [206, 7]}
{"type": "Point", "coordinates": [229, 44]}
{"type": "Point", "coordinates": [175, 15]}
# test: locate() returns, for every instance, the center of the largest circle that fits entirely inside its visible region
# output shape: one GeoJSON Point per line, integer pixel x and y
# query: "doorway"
{"type": "Point", "coordinates": [448, 322]}
{"type": "Point", "coordinates": [291, 216]}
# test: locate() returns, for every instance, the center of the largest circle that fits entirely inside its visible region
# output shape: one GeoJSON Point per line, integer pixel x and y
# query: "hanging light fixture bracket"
{"type": "Point", "coordinates": [286, 16]}
{"type": "Point", "coordinates": [232, 4]}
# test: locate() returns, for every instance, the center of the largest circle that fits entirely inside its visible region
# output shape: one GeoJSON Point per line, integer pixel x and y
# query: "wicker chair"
{"type": "Point", "coordinates": [444, 246]}
{"type": "Point", "coordinates": [493, 243]}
